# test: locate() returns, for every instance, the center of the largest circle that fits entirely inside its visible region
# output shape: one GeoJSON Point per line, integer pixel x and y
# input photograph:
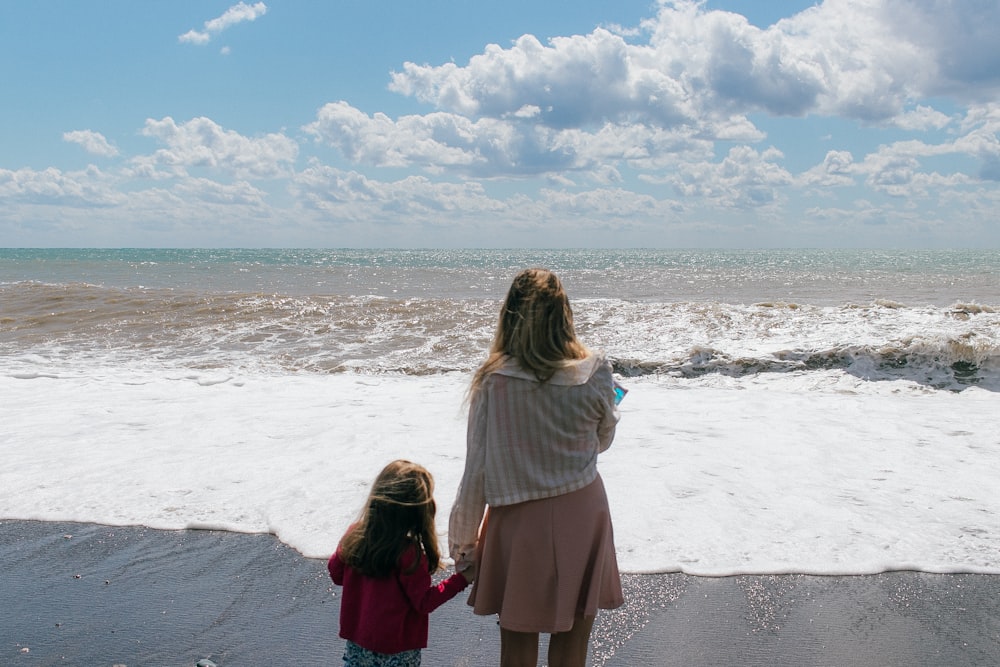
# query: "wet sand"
{"type": "Point", "coordinates": [89, 595]}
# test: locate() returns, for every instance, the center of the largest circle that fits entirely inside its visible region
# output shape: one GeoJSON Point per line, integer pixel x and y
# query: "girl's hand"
{"type": "Point", "coordinates": [466, 567]}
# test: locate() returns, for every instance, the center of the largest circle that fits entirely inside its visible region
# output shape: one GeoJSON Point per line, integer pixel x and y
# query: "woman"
{"type": "Point", "coordinates": [542, 406]}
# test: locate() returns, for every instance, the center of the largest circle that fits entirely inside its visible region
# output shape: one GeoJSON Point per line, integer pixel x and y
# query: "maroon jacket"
{"type": "Point", "coordinates": [389, 614]}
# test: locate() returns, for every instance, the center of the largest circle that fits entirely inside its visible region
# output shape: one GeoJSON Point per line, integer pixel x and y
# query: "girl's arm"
{"type": "Point", "coordinates": [336, 568]}
{"type": "Point", "coordinates": [423, 595]}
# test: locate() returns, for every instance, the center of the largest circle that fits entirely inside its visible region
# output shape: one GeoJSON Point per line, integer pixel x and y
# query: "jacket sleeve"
{"type": "Point", "coordinates": [609, 421]}
{"type": "Point", "coordinates": [470, 501]}
{"type": "Point", "coordinates": [335, 567]}
{"type": "Point", "coordinates": [423, 595]}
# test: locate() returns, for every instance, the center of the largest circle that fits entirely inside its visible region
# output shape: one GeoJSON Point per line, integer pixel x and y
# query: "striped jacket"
{"type": "Point", "coordinates": [528, 440]}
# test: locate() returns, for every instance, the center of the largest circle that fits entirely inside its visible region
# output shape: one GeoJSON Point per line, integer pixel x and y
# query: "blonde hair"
{"type": "Point", "coordinates": [535, 328]}
{"type": "Point", "coordinates": [399, 513]}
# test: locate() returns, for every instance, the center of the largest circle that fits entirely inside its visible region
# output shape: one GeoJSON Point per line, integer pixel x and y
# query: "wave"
{"type": "Point", "coordinates": [951, 365]}
{"type": "Point", "coordinates": [79, 324]}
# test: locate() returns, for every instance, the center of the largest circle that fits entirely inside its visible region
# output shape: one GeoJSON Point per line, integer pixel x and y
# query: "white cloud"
{"type": "Point", "coordinates": [572, 82]}
{"type": "Point", "coordinates": [596, 104]}
{"type": "Point", "coordinates": [921, 118]}
{"type": "Point", "coordinates": [984, 117]}
{"type": "Point", "coordinates": [613, 130]}
{"type": "Point", "coordinates": [238, 13]}
{"type": "Point", "coordinates": [960, 40]}
{"type": "Point", "coordinates": [201, 142]}
{"type": "Point", "coordinates": [92, 142]}
{"type": "Point", "coordinates": [209, 191]}
{"type": "Point", "coordinates": [604, 203]}
{"type": "Point", "coordinates": [436, 139]}
{"type": "Point", "coordinates": [195, 37]}
{"type": "Point", "coordinates": [490, 147]}
{"type": "Point", "coordinates": [328, 189]}
{"type": "Point", "coordinates": [895, 169]}
{"type": "Point", "coordinates": [415, 201]}
{"type": "Point", "coordinates": [660, 101]}
{"type": "Point", "coordinates": [745, 178]}
{"type": "Point", "coordinates": [87, 188]}
{"type": "Point", "coordinates": [837, 170]}
{"type": "Point", "coordinates": [982, 138]}
{"type": "Point", "coordinates": [855, 58]}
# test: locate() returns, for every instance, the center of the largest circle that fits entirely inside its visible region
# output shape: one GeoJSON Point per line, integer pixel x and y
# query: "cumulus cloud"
{"type": "Point", "coordinates": [615, 127]}
{"type": "Point", "coordinates": [660, 100]}
{"type": "Point", "coordinates": [836, 170]}
{"type": "Point", "coordinates": [922, 118]}
{"type": "Point", "coordinates": [201, 142]}
{"type": "Point", "coordinates": [959, 38]}
{"type": "Point", "coordinates": [745, 178]}
{"type": "Point", "coordinates": [87, 188]}
{"type": "Point", "coordinates": [690, 78]}
{"type": "Point", "coordinates": [92, 142]}
{"type": "Point", "coordinates": [898, 169]}
{"type": "Point", "coordinates": [208, 191]}
{"type": "Point", "coordinates": [483, 147]}
{"type": "Point", "coordinates": [439, 138]}
{"type": "Point", "coordinates": [604, 203]}
{"type": "Point", "coordinates": [571, 82]}
{"type": "Point", "coordinates": [238, 13]}
{"type": "Point", "coordinates": [416, 200]}
{"type": "Point", "coordinates": [982, 138]}
{"type": "Point", "coordinates": [855, 58]}
{"type": "Point", "coordinates": [328, 189]}
{"type": "Point", "coordinates": [514, 146]}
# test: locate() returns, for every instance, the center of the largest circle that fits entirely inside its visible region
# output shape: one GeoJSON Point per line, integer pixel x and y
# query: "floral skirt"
{"type": "Point", "coordinates": [543, 563]}
{"type": "Point", "coordinates": [355, 656]}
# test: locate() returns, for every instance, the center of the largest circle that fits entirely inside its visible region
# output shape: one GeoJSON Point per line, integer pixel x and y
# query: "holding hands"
{"type": "Point", "coordinates": [466, 566]}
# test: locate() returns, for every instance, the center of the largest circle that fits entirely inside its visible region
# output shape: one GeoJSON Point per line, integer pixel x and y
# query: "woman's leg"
{"type": "Point", "coordinates": [569, 649]}
{"type": "Point", "coordinates": [518, 649]}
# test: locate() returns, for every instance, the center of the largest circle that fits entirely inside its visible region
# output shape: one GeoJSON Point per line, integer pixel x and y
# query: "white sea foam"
{"type": "Point", "coordinates": [817, 472]}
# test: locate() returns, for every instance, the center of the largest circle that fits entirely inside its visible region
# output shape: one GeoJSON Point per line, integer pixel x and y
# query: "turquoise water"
{"type": "Point", "coordinates": [819, 277]}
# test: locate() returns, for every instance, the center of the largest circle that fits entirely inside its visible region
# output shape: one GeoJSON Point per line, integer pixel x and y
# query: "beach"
{"type": "Point", "coordinates": [804, 472]}
{"type": "Point", "coordinates": [87, 594]}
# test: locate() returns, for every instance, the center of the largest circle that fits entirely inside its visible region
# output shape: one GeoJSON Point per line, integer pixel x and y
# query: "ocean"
{"type": "Point", "coordinates": [814, 411]}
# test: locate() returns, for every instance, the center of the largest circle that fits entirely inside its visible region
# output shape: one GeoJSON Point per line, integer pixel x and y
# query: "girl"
{"type": "Point", "coordinates": [541, 408]}
{"type": "Point", "coordinates": [384, 562]}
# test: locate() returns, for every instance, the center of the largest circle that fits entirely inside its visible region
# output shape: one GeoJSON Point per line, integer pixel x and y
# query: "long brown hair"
{"type": "Point", "coordinates": [399, 512]}
{"type": "Point", "coordinates": [535, 328]}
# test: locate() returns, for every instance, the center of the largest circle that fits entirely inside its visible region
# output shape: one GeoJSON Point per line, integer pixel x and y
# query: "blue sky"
{"type": "Point", "coordinates": [549, 123]}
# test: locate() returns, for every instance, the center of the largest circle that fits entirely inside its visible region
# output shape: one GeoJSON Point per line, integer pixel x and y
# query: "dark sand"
{"type": "Point", "coordinates": [81, 594]}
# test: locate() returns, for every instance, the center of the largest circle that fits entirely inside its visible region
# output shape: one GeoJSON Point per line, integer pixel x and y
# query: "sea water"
{"type": "Point", "coordinates": [829, 412]}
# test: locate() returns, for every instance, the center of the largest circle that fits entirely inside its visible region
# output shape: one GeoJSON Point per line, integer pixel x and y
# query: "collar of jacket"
{"type": "Point", "coordinates": [574, 372]}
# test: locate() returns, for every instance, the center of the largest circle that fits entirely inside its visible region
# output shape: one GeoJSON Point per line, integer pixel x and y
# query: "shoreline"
{"type": "Point", "coordinates": [90, 594]}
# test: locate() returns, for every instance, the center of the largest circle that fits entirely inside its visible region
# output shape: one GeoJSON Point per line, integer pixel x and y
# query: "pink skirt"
{"type": "Point", "coordinates": [543, 563]}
